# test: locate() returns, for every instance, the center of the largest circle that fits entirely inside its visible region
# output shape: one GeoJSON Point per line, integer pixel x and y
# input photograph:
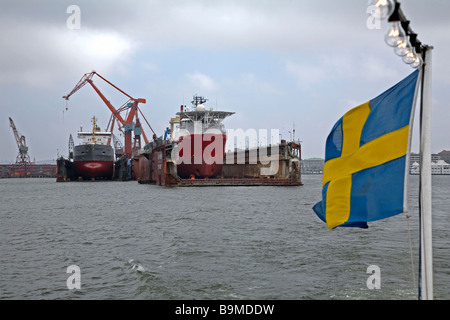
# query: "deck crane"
{"type": "Point", "coordinates": [22, 158]}
{"type": "Point", "coordinates": [130, 124]}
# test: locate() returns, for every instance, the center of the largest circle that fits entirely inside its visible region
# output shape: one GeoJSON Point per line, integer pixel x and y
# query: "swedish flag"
{"type": "Point", "coordinates": [365, 159]}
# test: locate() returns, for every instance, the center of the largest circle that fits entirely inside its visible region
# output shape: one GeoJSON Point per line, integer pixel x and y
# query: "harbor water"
{"type": "Point", "coordinates": [134, 241]}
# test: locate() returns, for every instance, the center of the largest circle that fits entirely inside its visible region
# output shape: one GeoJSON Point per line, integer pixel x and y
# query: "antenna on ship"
{"type": "Point", "coordinates": [293, 131]}
{"type": "Point", "coordinates": [198, 100]}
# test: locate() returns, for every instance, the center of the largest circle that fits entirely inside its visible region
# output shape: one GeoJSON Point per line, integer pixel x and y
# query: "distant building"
{"type": "Point", "coordinates": [312, 165]}
{"type": "Point", "coordinates": [440, 163]}
{"type": "Point", "coordinates": [445, 155]}
{"type": "Point", "coordinates": [415, 157]}
{"type": "Point", "coordinates": [438, 167]}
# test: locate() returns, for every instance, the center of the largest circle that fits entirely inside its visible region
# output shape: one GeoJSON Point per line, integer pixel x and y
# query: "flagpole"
{"type": "Point", "coordinates": [400, 36]}
{"type": "Point", "coordinates": [425, 181]}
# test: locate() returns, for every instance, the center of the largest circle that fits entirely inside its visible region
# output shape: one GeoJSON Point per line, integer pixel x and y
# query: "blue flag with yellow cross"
{"type": "Point", "coordinates": [365, 170]}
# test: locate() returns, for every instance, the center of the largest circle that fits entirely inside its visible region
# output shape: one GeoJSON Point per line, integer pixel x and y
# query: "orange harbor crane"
{"type": "Point", "coordinates": [128, 125]}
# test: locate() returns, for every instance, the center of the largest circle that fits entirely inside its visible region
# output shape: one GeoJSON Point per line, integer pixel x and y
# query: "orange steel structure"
{"type": "Point", "coordinates": [130, 124]}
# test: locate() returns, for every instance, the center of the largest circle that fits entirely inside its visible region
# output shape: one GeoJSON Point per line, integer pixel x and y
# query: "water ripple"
{"type": "Point", "coordinates": [202, 243]}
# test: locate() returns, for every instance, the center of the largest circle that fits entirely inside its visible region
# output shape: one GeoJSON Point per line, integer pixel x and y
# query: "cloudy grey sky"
{"type": "Point", "coordinates": [280, 64]}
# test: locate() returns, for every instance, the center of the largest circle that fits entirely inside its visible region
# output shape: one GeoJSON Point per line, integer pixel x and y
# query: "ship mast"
{"type": "Point", "coordinates": [94, 129]}
{"type": "Point", "coordinates": [198, 100]}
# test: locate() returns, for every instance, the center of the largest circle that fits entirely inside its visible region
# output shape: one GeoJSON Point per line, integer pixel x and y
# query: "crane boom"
{"type": "Point", "coordinates": [131, 104]}
{"type": "Point", "coordinates": [23, 157]}
{"type": "Point", "coordinates": [16, 134]}
{"type": "Point", "coordinates": [87, 78]}
{"type": "Point", "coordinates": [80, 84]}
{"type": "Point", "coordinates": [106, 101]}
{"type": "Point", "coordinates": [139, 100]}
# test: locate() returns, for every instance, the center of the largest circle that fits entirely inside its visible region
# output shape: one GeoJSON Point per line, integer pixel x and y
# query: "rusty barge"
{"type": "Point", "coordinates": [249, 167]}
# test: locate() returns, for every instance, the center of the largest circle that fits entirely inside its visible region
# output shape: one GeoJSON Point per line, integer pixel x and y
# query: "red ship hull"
{"type": "Point", "coordinates": [94, 169]}
{"type": "Point", "coordinates": [201, 155]}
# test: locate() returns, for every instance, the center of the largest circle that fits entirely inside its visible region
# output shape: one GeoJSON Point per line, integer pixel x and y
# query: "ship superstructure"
{"type": "Point", "coordinates": [200, 139]}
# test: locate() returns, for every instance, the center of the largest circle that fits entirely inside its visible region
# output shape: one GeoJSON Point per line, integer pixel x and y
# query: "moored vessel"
{"type": "Point", "coordinates": [94, 157]}
{"type": "Point", "coordinates": [200, 141]}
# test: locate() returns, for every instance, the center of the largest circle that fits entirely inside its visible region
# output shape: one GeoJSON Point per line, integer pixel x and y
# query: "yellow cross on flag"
{"type": "Point", "coordinates": [365, 159]}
